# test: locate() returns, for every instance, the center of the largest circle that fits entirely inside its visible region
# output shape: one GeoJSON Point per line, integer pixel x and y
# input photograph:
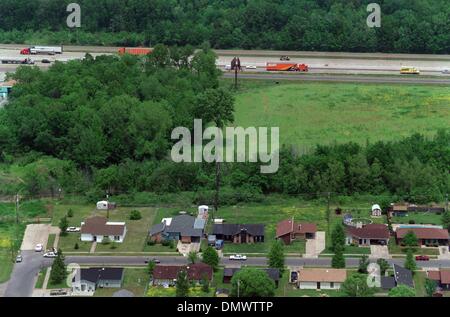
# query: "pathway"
{"type": "Point", "coordinates": [93, 246]}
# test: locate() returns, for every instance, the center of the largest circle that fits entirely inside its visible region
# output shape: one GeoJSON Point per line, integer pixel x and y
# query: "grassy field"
{"type": "Point", "coordinates": [6, 265]}
{"type": "Point", "coordinates": [134, 280]}
{"type": "Point", "coordinates": [324, 113]}
{"type": "Point", "coordinates": [428, 218]}
{"type": "Point", "coordinates": [41, 278]}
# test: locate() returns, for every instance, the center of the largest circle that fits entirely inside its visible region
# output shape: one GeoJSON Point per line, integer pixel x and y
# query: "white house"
{"type": "Point", "coordinates": [376, 210]}
{"type": "Point", "coordinates": [203, 212]}
{"type": "Point", "coordinates": [96, 229]}
{"type": "Point", "coordinates": [86, 281]}
{"type": "Point", "coordinates": [105, 205]}
{"type": "Point", "coordinates": [330, 279]}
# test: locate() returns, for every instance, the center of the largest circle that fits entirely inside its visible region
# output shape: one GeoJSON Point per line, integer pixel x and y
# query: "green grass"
{"type": "Point", "coordinates": [6, 265]}
{"type": "Point", "coordinates": [428, 218]}
{"type": "Point", "coordinates": [51, 285]}
{"type": "Point", "coordinates": [397, 249]}
{"type": "Point", "coordinates": [157, 291]}
{"type": "Point", "coordinates": [51, 240]}
{"type": "Point", "coordinates": [324, 113]}
{"type": "Point", "coordinates": [134, 280]}
{"type": "Point", "coordinates": [41, 278]}
{"type": "Point", "coordinates": [419, 284]}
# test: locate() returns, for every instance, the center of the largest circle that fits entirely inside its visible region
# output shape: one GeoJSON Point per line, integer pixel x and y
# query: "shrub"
{"type": "Point", "coordinates": [76, 247]}
{"type": "Point", "coordinates": [411, 222]}
{"type": "Point", "coordinates": [70, 213]}
{"type": "Point", "coordinates": [135, 215]}
{"type": "Point", "coordinates": [151, 242]}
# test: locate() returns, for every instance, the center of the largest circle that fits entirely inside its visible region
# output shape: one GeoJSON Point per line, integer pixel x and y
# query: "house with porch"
{"type": "Point", "coordinates": [184, 228]}
{"type": "Point", "coordinates": [86, 281]}
{"type": "Point", "coordinates": [427, 236]}
{"type": "Point", "coordinates": [237, 233]}
{"type": "Point", "coordinates": [401, 276]}
{"type": "Point", "coordinates": [442, 278]}
{"type": "Point", "coordinates": [367, 235]}
{"type": "Point", "coordinates": [288, 230]}
{"type": "Point", "coordinates": [318, 278]}
{"type": "Point", "coordinates": [97, 229]}
{"type": "Point", "coordinates": [166, 275]}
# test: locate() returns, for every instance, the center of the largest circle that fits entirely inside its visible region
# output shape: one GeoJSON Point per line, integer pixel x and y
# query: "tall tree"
{"type": "Point", "coordinates": [211, 257]}
{"type": "Point", "coordinates": [356, 286]}
{"type": "Point", "coordinates": [338, 237]}
{"type": "Point", "coordinates": [182, 285]}
{"type": "Point", "coordinates": [402, 291]}
{"type": "Point", "coordinates": [58, 272]}
{"type": "Point", "coordinates": [338, 259]}
{"type": "Point", "coordinates": [410, 262]}
{"type": "Point", "coordinates": [276, 255]}
{"type": "Point", "coordinates": [252, 282]}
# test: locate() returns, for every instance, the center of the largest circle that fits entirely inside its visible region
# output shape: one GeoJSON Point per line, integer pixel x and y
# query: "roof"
{"type": "Point", "coordinates": [387, 282]}
{"type": "Point", "coordinates": [442, 276]}
{"type": "Point", "coordinates": [375, 207]}
{"type": "Point", "coordinates": [234, 229]}
{"type": "Point", "coordinates": [100, 226]}
{"type": "Point", "coordinates": [96, 274]}
{"type": "Point", "coordinates": [273, 273]}
{"type": "Point", "coordinates": [403, 276]}
{"type": "Point", "coordinates": [424, 233]}
{"type": "Point", "coordinates": [370, 231]}
{"type": "Point", "coordinates": [322, 275]}
{"type": "Point", "coordinates": [199, 223]}
{"type": "Point", "coordinates": [195, 271]}
{"type": "Point", "coordinates": [184, 225]}
{"type": "Point", "coordinates": [288, 226]}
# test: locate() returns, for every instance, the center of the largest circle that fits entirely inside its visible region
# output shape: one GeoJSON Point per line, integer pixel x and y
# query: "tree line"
{"type": "Point", "coordinates": [104, 125]}
{"type": "Point", "coordinates": [418, 26]}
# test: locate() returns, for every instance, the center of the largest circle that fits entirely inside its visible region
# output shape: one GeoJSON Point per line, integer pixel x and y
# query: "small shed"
{"type": "Point", "coordinates": [376, 210]}
{"type": "Point", "coordinates": [105, 205]}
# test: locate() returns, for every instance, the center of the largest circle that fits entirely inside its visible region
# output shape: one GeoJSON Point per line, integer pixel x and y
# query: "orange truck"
{"type": "Point", "coordinates": [134, 50]}
{"type": "Point", "coordinates": [286, 67]}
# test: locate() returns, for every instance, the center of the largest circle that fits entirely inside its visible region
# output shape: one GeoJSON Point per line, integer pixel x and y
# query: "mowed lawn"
{"type": "Point", "coordinates": [324, 113]}
{"type": "Point", "coordinates": [135, 238]}
{"type": "Point", "coordinates": [135, 280]}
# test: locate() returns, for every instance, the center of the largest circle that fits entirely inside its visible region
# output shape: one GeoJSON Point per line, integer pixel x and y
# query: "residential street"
{"type": "Point", "coordinates": [24, 274]}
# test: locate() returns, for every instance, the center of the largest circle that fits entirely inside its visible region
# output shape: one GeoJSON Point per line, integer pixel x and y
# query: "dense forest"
{"type": "Point", "coordinates": [408, 26]}
{"type": "Point", "coordinates": [104, 124]}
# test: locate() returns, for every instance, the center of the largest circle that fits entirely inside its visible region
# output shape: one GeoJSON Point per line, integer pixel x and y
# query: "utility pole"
{"type": "Point", "coordinates": [236, 66]}
{"type": "Point", "coordinates": [238, 284]}
{"type": "Point", "coordinates": [328, 210]}
{"type": "Point", "coordinates": [17, 208]}
{"type": "Point", "coordinates": [446, 202]}
{"type": "Point", "coordinates": [107, 205]}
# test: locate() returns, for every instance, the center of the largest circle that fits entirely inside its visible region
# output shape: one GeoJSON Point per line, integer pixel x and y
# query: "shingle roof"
{"type": "Point", "coordinates": [322, 275]}
{"type": "Point", "coordinates": [289, 225]}
{"type": "Point", "coordinates": [96, 274]}
{"type": "Point", "coordinates": [183, 225]}
{"type": "Point", "coordinates": [194, 271]}
{"type": "Point", "coordinates": [442, 276]}
{"type": "Point", "coordinates": [387, 282]}
{"type": "Point", "coordinates": [158, 228]}
{"type": "Point", "coordinates": [234, 229]}
{"type": "Point", "coordinates": [100, 226]}
{"type": "Point", "coordinates": [403, 276]}
{"type": "Point", "coordinates": [424, 233]}
{"type": "Point", "coordinates": [370, 231]}
{"type": "Point", "coordinates": [273, 273]}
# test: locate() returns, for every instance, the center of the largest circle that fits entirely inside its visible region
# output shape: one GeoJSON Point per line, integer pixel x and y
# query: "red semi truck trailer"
{"type": "Point", "coordinates": [286, 67]}
{"type": "Point", "coordinates": [134, 50]}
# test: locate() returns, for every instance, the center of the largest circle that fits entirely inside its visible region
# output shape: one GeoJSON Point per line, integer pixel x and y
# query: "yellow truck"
{"type": "Point", "coordinates": [409, 70]}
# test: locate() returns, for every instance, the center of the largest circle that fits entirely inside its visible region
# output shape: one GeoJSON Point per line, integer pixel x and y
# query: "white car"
{"type": "Point", "coordinates": [250, 67]}
{"type": "Point", "coordinates": [446, 71]}
{"type": "Point", "coordinates": [50, 254]}
{"type": "Point", "coordinates": [39, 247]}
{"type": "Point", "coordinates": [19, 258]}
{"type": "Point", "coordinates": [73, 229]}
{"type": "Point", "coordinates": [227, 67]}
{"type": "Point", "coordinates": [238, 257]}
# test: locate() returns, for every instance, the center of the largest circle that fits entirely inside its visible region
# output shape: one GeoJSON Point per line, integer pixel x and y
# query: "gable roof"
{"type": "Point", "coordinates": [424, 233]}
{"type": "Point", "coordinates": [322, 275]}
{"type": "Point", "coordinates": [370, 231]}
{"type": "Point", "coordinates": [96, 274]}
{"type": "Point", "coordinates": [234, 229]}
{"type": "Point", "coordinates": [442, 276]}
{"type": "Point", "coordinates": [194, 271]}
{"type": "Point", "coordinates": [289, 225]}
{"type": "Point", "coordinates": [100, 226]}
{"type": "Point", "coordinates": [184, 225]}
{"type": "Point", "coordinates": [403, 276]}
{"type": "Point", "coordinates": [387, 282]}
{"type": "Point", "coordinates": [273, 273]}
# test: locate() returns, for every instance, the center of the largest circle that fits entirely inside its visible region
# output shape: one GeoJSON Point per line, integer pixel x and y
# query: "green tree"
{"type": "Point", "coordinates": [356, 286]}
{"type": "Point", "coordinates": [338, 260]}
{"type": "Point", "coordinates": [252, 282]}
{"type": "Point", "coordinates": [430, 287]}
{"type": "Point", "coordinates": [410, 239]}
{"type": "Point", "coordinates": [205, 284]}
{"type": "Point", "coordinates": [276, 255]}
{"type": "Point", "coordinates": [410, 262]}
{"type": "Point", "coordinates": [384, 266]}
{"type": "Point", "coordinates": [182, 286]}
{"type": "Point", "coordinates": [363, 264]}
{"type": "Point", "coordinates": [402, 291]}
{"type": "Point", "coordinates": [63, 224]}
{"type": "Point", "coordinates": [446, 220]}
{"type": "Point", "coordinates": [135, 215]}
{"type": "Point", "coordinates": [58, 272]}
{"type": "Point", "coordinates": [338, 238]}
{"type": "Point", "coordinates": [70, 213]}
{"type": "Point", "coordinates": [211, 257]}
{"type": "Point", "coordinates": [193, 257]}
{"type": "Point", "coordinates": [151, 267]}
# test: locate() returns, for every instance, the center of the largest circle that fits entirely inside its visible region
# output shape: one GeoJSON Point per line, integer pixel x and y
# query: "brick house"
{"type": "Point", "coordinates": [426, 236]}
{"type": "Point", "coordinates": [185, 228]}
{"type": "Point", "coordinates": [442, 278]}
{"type": "Point", "coordinates": [288, 230]}
{"type": "Point", "coordinates": [371, 234]}
{"type": "Point", "coordinates": [167, 274]}
{"type": "Point", "coordinates": [236, 233]}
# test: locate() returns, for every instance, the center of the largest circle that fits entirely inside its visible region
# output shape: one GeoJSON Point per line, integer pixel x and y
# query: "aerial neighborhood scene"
{"type": "Point", "coordinates": [226, 149]}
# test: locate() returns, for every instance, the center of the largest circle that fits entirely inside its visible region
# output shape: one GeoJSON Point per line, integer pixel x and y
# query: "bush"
{"type": "Point", "coordinates": [135, 215]}
{"type": "Point", "coordinates": [412, 222]}
{"type": "Point", "coordinates": [70, 213]}
{"type": "Point", "coordinates": [76, 247]}
{"type": "Point", "coordinates": [151, 242]}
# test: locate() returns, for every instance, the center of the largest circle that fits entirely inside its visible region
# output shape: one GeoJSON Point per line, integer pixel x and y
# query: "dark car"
{"type": "Point", "coordinates": [422, 258]}
{"type": "Point", "coordinates": [45, 61]}
{"type": "Point", "coordinates": [156, 261]}
{"type": "Point", "coordinates": [285, 58]}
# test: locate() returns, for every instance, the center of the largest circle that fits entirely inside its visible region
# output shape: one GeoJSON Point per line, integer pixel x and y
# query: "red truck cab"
{"type": "Point", "coordinates": [25, 51]}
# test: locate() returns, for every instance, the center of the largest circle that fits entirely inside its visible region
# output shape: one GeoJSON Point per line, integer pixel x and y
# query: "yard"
{"type": "Point", "coordinates": [6, 265]}
{"type": "Point", "coordinates": [426, 218]}
{"type": "Point", "coordinates": [159, 291]}
{"type": "Point", "coordinates": [135, 280]}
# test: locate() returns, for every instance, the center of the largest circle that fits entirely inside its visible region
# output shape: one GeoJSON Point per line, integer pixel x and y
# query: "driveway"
{"type": "Point", "coordinates": [315, 246]}
{"type": "Point", "coordinates": [379, 252]}
{"type": "Point", "coordinates": [186, 248]}
{"type": "Point", "coordinates": [36, 233]}
{"type": "Point", "coordinates": [444, 254]}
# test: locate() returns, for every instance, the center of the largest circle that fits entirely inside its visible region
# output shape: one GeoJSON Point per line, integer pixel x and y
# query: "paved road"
{"type": "Point", "coordinates": [345, 78]}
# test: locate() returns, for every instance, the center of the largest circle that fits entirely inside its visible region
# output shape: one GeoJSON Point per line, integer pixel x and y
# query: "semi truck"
{"type": "Point", "coordinates": [287, 67]}
{"type": "Point", "coordinates": [50, 50]}
{"type": "Point", "coordinates": [26, 61]}
{"type": "Point", "coordinates": [409, 70]}
{"type": "Point", "coordinates": [134, 50]}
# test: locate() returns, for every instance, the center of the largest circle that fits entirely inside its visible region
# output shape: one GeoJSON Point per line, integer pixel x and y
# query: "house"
{"type": "Point", "coordinates": [229, 272]}
{"type": "Point", "coordinates": [442, 278]}
{"type": "Point", "coordinates": [96, 229]}
{"type": "Point", "coordinates": [402, 209]}
{"type": "Point", "coordinates": [86, 281]}
{"type": "Point", "coordinates": [315, 278]}
{"type": "Point", "coordinates": [370, 234]}
{"type": "Point", "coordinates": [106, 205]}
{"type": "Point", "coordinates": [376, 210]}
{"type": "Point", "coordinates": [167, 274]}
{"type": "Point", "coordinates": [427, 236]}
{"type": "Point", "coordinates": [248, 233]}
{"type": "Point", "coordinates": [182, 228]}
{"type": "Point", "coordinates": [203, 212]}
{"type": "Point", "coordinates": [398, 210]}
{"type": "Point", "coordinates": [401, 276]}
{"type": "Point", "coordinates": [288, 230]}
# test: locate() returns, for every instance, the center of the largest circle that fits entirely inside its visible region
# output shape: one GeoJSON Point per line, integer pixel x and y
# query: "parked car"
{"type": "Point", "coordinates": [50, 254]}
{"type": "Point", "coordinates": [422, 258]}
{"type": "Point", "coordinates": [446, 71]}
{"type": "Point", "coordinates": [19, 258]}
{"type": "Point", "coordinates": [73, 229]}
{"type": "Point", "coordinates": [58, 292]}
{"type": "Point", "coordinates": [45, 61]}
{"type": "Point", "coordinates": [39, 247]}
{"type": "Point", "coordinates": [156, 261]}
{"type": "Point", "coordinates": [227, 67]}
{"type": "Point", "coordinates": [285, 58]}
{"type": "Point", "coordinates": [238, 257]}
{"type": "Point", "coordinates": [250, 67]}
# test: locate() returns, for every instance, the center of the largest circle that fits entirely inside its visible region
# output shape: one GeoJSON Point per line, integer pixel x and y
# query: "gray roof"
{"type": "Point", "coordinates": [387, 282]}
{"type": "Point", "coordinates": [273, 273]}
{"type": "Point", "coordinates": [403, 276]}
{"type": "Point", "coordinates": [199, 223]}
{"type": "Point", "coordinates": [96, 274]}
{"type": "Point", "coordinates": [234, 229]}
{"type": "Point", "coordinates": [183, 225]}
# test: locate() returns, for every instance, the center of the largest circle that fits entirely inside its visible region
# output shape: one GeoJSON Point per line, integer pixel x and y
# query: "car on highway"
{"type": "Point", "coordinates": [446, 71]}
{"type": "Point", "coordinates": [73, 229]}
{"type": "Point", "coordinates": [238, 257]}
{"type": "Point", "coordinates": [45, 61]}
{"type": "Point", "coordinates": [50, 254]}
{"type": "Point", "coordinates": [39, 247]}
{"type": "Point", "coordinates": [227, 67]}
{"type": "Point", "coordinates": [250, 67]}
{"type": "Point", "coordinates": [19, 258]}
{"type": "Point", "coordinates": [285, 58]}
{"type": "Point", "coordinates": [422, 258]}
{"type": "Point", "coordinates": [156, 261]}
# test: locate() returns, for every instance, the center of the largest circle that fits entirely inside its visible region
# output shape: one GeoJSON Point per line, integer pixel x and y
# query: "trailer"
{"type": "Point", "coordinates": [34, 50]}
{"type": "Point", "coordinates": [26, 61]}
{"type": "Point", "coordinates": [134, 50]}
{"type": "Point", "coordinates": [286, 67]}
